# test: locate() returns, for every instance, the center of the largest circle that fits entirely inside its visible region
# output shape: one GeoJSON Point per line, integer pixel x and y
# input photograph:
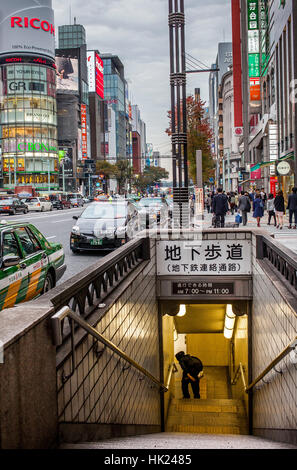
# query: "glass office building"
{"type": "Point", "coordinates": [114, 92]}
{"type": "Point", "coordinates": [70, 36]}
{"type": "Point", "coordinates": [28, 119]}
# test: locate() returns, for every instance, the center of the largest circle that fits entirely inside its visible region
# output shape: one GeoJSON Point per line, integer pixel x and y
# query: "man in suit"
{"type": "Point", "coordinates": [220, 208]}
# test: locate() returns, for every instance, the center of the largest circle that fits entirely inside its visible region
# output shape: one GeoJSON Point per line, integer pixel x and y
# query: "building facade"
{"type": "Point", "coordinates": [28, 114]}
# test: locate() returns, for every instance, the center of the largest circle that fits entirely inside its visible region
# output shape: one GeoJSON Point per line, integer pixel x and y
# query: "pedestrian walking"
{"type": "Point", "coordinates": [258, 207]}
{"type": "Point", "coordinates": [236, 201]}
{"type": "Point", "coordinates": [279, 204]}
{"type": "Point", "coordinates": [192, 372]}
{"type": "Point", "coordinates": [208, 203]}
{"type": "Point", "coordinates": [244, 206]}
{"type": "Point", "coordinates": [192, 205]}
{"type": "Point", "coordinates": [220, 208]}
{"type": "Point", "coordinates": [232, 202]}
{"type": "Point", "coordinates": [292, 208]}
{"type": "Point", "coordinates": [271, 209]}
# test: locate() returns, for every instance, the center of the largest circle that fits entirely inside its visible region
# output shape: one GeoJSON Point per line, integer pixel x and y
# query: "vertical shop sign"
{"type": "Point", "coordinates": [254, 50]}
{"type": "Point", "coordinates": [83, 112]}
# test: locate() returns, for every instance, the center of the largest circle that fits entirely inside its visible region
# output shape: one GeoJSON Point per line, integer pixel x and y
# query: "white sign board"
{"type": "Point", "coordinates": [204, 258]}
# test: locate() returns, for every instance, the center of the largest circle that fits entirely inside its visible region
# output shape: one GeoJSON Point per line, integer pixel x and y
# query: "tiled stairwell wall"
{"type": "Point", "coordinates": [274, 326]}
{"type": "Point", "coordinates": [105, 392]}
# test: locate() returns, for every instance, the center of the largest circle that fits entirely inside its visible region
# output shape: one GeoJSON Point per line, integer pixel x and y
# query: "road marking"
{"type": "Point", "coordinates": [62, 220]}
{"type": "Point", "coordinates": [53, 236]}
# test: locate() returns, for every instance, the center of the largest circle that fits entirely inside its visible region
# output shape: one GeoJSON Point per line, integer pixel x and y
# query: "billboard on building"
{"type": "Point", "coordinates": [95, 73]}
{"type": "Point", "coordinates": [237, 66]}
{"type": "Point", "coordinates": [67, 74]}
{"type": "Point", "coordinates": [254, 50]}
{"type": "Point", "coordinates": [224, 59]}
{"type": "Point", "coordinates": [84, 136]}
{"type": "Point", "coordinates": [27, 27]}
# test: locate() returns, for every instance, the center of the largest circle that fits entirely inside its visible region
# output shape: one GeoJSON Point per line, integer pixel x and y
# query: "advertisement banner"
{"type": "Point", "coordinates": [27, 27]}
{"type": "Point", "coordinates": [95, 73]}
{"type": "Point", "coordinates": [84, 145]}
{"type": "Point", "coordinates": [67, 74]}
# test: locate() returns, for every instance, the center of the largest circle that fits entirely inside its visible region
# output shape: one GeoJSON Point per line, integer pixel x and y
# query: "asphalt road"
{"type": "Point", "coordinates": [56, 227]}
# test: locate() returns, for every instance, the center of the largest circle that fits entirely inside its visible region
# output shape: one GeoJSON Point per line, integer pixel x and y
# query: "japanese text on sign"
{"type": "Point", "coordinates": [208, 257]}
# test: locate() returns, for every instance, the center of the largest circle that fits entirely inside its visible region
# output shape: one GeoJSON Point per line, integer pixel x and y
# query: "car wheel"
{"type": "Point", "coordinates": [51, 208]}
{"type": "Point", "coordinates": [25, 211]}
{"type": "Point", "coordinates": [42, 209]}
{"type": "Point", "coordinates": [75, 250]}
{"type": "Point", "coordinates": [12, 212]}
{"type": "Point", "coordinates": [48, 283]}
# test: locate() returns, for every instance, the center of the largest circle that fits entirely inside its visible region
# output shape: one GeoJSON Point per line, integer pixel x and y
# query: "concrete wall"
{"type": "Point", "coordinates": [274, 326]}
{"type": "Point", "coordinates": [168, 357]}
{"type": "Point", "coordinates": [212, 349]}
{"type": "Point", "coordinates": [28, 400]}
{"type": "Point", "coordinates": [240, 347]}
{"type": "Point", "coordinates": [101, 393]}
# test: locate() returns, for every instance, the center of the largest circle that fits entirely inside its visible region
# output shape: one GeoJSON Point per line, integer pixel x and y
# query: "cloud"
{"type": "Point", "coordinates": [137, 31]}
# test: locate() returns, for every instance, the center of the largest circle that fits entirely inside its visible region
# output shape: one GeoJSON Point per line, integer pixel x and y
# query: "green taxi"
{"type": "Point", "coordinates": [29, 264]}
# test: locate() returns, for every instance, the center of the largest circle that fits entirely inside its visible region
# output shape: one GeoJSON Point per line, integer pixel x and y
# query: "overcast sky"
{"type": "Point", "coordinates": [137, 31]}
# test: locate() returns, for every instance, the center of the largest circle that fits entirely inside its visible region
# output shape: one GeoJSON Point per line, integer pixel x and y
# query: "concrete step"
{"type": "Point", "coordinates": [199, 429]}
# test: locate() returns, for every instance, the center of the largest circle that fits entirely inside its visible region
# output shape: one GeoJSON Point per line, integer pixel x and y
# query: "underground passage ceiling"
{"type": "Point", "coordinates": [203, 318]}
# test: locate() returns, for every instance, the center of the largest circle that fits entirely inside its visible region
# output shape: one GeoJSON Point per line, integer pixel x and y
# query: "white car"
{"type": "Point", "coordinates": [38, 204]}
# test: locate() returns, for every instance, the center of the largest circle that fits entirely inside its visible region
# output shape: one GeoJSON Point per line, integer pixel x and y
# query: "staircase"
{"type": "Point", "coordinates": [215, 413]}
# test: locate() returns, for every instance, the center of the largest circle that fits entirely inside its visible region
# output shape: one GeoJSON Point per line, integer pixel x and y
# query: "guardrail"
{"type": "Point", "coordinates": [283, 259]}
{"type": "Point", "coordinates": [87, 290]}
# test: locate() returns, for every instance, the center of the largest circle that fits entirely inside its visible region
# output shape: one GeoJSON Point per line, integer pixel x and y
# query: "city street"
{"type": "Point", "coordinates": [56, 227]}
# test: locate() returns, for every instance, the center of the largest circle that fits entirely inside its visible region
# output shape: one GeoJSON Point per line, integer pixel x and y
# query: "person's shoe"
{"type": "Point", "coordinates": [197, 396]}
{"type": "Point", "coordinates": [281, 228]}
{"type": "Point", "coordinates": [186, 397]}
{"type": "Point", "coordinates": [290, 226]}
{"type": "Point", "coordinates": [268, 223]}
{"type": "Point", "coordinates": [277, 225]}
{"type": "Point", "coordinates": [294, 227]}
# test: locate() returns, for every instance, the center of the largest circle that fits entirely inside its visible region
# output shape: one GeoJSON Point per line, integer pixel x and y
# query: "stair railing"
{"type": "Point", "coordinates": [172, 369]}
{"type": "Point", "coordinates": [57, 322]}
{"type": "Point", "coordinates": [239, 373]}
{"type": "Point", "coordinates": [292, 346]}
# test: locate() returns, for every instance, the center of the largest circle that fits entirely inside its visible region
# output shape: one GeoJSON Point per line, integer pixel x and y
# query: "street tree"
{"type": "Point", "coordinates": [199, 136]}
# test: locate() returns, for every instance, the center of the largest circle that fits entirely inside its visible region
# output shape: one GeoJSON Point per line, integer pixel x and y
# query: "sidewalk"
{"type": "Point", "coordinates": [286, 236]}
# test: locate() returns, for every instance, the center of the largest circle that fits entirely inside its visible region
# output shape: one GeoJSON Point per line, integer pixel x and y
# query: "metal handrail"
{"type": "Point", "coordinates": [171, 370]}
{"type": "Point", "coordinates": [64, 312]}
{"type": "Point", "coordinates": [283, 354]}
{"type": "Point", "coordinates": [240, 369]}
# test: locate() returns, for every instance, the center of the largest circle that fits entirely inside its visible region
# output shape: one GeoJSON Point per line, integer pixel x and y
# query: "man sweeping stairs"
{"type": "Point", "coordinates": [214, 413]}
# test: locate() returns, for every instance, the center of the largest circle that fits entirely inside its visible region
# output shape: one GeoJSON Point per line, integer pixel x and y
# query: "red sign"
{"type": "Point", "coordinates": [83, 117]}
{"type": "Point", "coordinates": [256, 175]}
{"type": "Point", "coordinates": [273, 185]}
{"type": "Point", "coordinates": [35, 23]}
{"type": "Point", "coordinates": [99, 76]}
{"type": "Point", "coordinates": [255, 89]}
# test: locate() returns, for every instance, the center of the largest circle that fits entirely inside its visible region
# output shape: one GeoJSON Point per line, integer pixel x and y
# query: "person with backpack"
{"type": "Point", "coordinates": [244, 206]}
{"type": "Point", "coordinates": [192, 372]}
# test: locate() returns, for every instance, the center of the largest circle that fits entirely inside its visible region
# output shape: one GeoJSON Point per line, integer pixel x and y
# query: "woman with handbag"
{"type": "Point", "coordinates": [279, 204]}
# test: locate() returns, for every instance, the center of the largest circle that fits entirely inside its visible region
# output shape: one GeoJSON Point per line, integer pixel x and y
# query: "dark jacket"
{"type": "Point", "coordinates": [292, 202]}
{"type": "Point", "coordinates": [244, 203]}
{"type": "Point", "coordinates": [220, 204]}
{"type": "Point", "coordinates": [190, 365]}
{"type": "Point", "coordinates": [258, 207]}
{"type": "Point", "coordinates": [279, 203]}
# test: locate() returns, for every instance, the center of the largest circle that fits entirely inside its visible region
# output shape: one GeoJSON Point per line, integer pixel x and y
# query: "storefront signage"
{"type": "Point", "coordinates": [35, 147]}
{"type": "Point", "coordinates": [207, 258]}
{"type": "Point", "coordinates": [202, 288]}
{"type": "Point", "coordinates": [95, 73]}
{"type": "Point", "coordinates": [84, 131]}
{"type": "Point", "coordinates": [283, 168]}
{"type": "Point", "coordinates": [27, 28]}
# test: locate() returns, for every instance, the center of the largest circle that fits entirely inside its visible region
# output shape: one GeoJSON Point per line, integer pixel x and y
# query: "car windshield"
{"type": "Point", "coordinates": [31, 199]}
{"type": "Point", "coordinates": [4, 202]}
{"type": "Point", "coordinates": [146, 202]}
{"type": "Point", "coordinates": [104, 211]}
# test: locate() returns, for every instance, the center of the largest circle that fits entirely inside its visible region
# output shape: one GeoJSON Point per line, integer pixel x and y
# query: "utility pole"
{"type": "Point", "coordinates": [176, 20]}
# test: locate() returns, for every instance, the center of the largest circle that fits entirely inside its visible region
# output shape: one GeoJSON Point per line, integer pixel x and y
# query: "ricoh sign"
{"type": "Point", "coordinates": [27, 26]}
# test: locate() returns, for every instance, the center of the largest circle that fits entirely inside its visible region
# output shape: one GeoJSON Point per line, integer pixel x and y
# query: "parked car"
{"type": "Point", "coordinates": [38, 204]}
{"type": "Point", "coordinates": [29, 264]}
{"type": "Point", "coordinates": [104, 225]}
{"type": "Point", "coordinates": [76, 200]}
{"type": "Point", "coordinates": [12, 206]}
{"type": "Point", "coordinates": [60, 201]}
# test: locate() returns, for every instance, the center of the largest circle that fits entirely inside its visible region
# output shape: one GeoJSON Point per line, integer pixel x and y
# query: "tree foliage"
{"type": "Point", "coordinates": [199, 136]}
{"type": "Point", "coordinates": [151, 175]}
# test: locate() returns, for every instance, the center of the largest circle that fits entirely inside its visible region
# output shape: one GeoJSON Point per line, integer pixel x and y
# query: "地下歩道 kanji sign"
{"type": "Point", "coordinates": [207, 257]}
